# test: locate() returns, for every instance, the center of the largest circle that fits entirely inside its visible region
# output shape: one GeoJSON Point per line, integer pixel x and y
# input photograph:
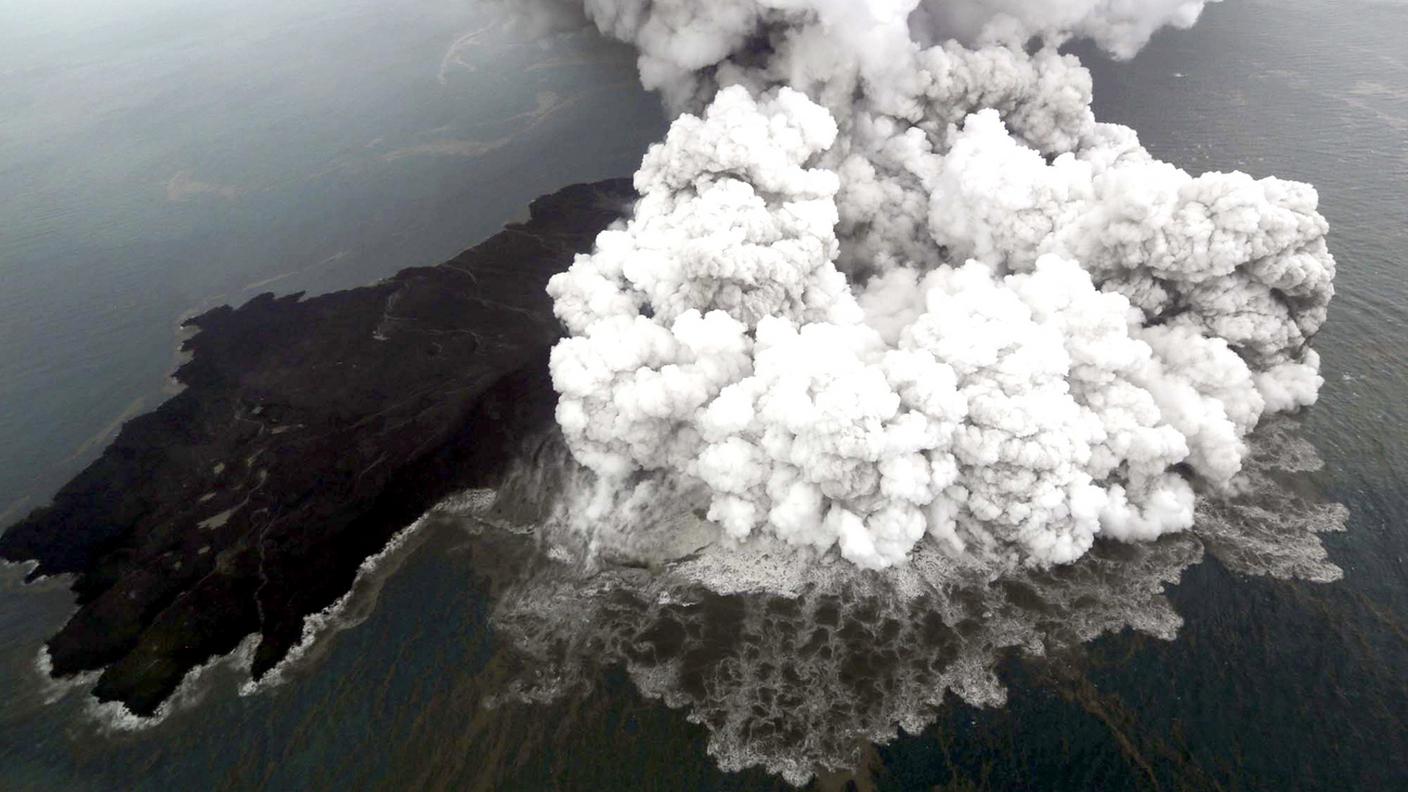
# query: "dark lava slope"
{"type": "Point", "coordinates": [309, 433]}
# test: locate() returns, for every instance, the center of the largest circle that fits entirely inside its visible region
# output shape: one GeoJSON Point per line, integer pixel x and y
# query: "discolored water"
{"type": "Point", "coordinates": [1269, 684]}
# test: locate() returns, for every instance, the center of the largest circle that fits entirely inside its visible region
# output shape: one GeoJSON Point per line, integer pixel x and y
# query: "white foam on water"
{"type": "Point", "coordinates": [792, 659]}
{"type": "Point", "coordinates": [354, 607]}
{"type": "Point", "coordinates": [340, 615]}
{"type": "Point", "coordinates": [114, 716]}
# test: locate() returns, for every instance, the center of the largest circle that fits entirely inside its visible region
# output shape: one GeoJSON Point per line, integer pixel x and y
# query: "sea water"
{"type": "Point", "coordinates": [1269, 684]}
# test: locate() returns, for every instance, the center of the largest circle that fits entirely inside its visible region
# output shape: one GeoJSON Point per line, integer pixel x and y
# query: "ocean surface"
{"type": "Point", "coordinates": [157, 158]}
{"type": "Point", "coordinates": [162, 157]}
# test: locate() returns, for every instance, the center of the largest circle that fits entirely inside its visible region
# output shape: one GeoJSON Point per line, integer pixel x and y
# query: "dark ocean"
{"type": "Point", "coordinates": [164, 158]}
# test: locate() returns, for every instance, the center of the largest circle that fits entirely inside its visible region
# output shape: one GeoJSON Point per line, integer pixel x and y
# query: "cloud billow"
{"type": "Point", "coordinates": [890, 283]}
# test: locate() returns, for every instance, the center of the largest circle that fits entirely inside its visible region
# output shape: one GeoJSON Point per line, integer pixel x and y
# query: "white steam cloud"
{"type": "Point", "coordinates": [889, 282]}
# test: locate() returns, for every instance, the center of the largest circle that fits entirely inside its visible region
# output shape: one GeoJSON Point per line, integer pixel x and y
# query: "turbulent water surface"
{"type": "Point", "coordinates": [465, 657]}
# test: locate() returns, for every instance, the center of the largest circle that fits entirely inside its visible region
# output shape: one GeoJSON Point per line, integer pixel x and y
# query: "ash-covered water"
{"type": "Point", "coordinates": [795, 661]}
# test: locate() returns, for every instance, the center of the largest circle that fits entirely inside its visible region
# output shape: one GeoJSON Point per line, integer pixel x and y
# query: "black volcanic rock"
{"type": "Point", "coordinates": [309, 433]}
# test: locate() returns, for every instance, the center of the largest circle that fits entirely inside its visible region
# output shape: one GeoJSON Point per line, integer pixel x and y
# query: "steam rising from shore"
{"type": "Point", "coordinates": [890, 284]}
{"type": "Point", "coordinates": [793, 665]}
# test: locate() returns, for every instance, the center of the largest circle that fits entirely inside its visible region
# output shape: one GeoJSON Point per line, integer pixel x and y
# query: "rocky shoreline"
{"type": "Point", "coordinates": [309, 433]}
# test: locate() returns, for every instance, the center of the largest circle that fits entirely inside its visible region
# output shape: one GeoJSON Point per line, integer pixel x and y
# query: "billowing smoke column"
{"type": "Point", "coordinates": [889, 282]}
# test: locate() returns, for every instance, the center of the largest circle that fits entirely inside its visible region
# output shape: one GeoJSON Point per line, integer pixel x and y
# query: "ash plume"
{"type": "Point", "coordinates": [890, 285]}
{"type": "Point", "coordinates": [793, 666]}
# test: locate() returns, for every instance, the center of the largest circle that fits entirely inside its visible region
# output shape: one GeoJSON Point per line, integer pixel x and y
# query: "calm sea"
{"type": "Point", "coordinates": [161, 157]}
{"type": "Point", "coordinates": [158, 157]}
